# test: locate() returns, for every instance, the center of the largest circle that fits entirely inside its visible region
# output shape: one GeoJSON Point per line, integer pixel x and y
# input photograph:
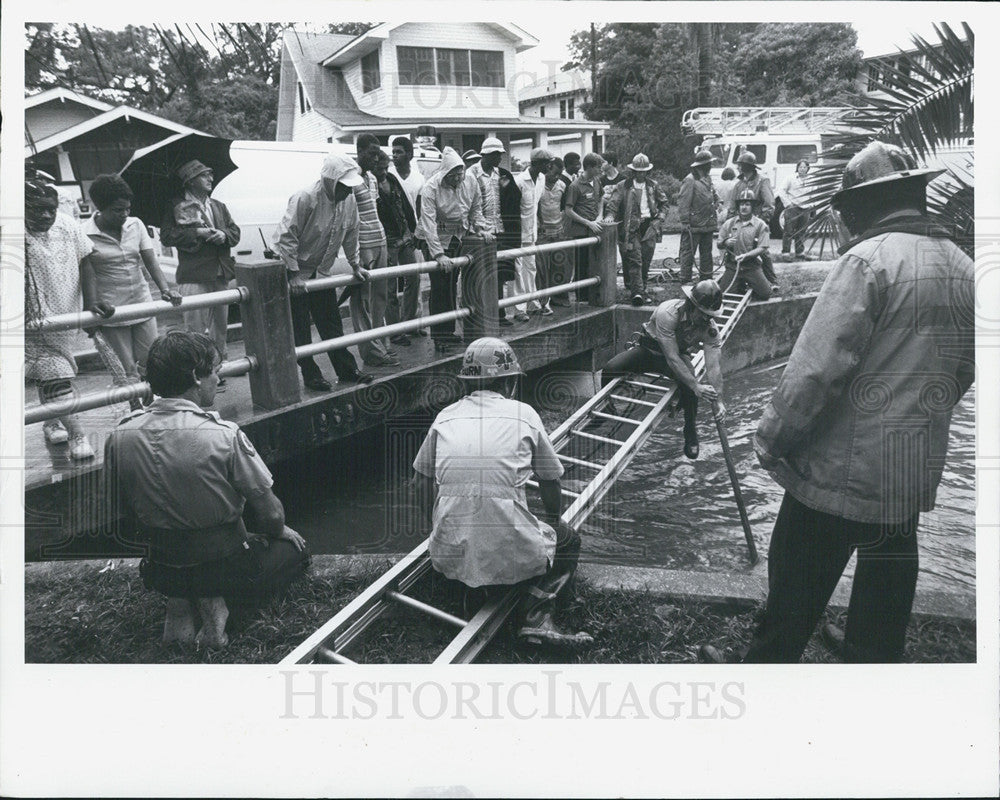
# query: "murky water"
{"type": "Point", "coordinates": [664, 511]}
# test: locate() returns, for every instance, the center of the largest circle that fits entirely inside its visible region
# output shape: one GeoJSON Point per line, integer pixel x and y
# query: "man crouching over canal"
{"type": "Point", "coordinates": [675, 332]}
{"type": "Point", "coordinates": [472, 468]}
{"type": "Point", "coordinates": [183, 476]}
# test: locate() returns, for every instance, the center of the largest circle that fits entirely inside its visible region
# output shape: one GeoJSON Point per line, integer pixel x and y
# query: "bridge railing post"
{"type": "Point", "coordinates": [267, 333]}
{"type": "Point", "coordinates": [479, 289]}
{"type": "Point", "coordinates": [604, 263]}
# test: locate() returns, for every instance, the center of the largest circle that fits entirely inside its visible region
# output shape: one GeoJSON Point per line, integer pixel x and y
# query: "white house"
{"type": "Point", "coordinates": [74, 138]}
{"type": "Point", "coordinates": [451, 83]}
{"type": "Point", "coordinates": [556, 97]}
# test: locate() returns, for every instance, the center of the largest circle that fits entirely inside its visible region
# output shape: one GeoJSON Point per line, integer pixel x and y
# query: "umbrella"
{"type": "Point", "coordinates": [152, 171]}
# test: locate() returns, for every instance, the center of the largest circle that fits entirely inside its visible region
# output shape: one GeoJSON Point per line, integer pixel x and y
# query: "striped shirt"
{"type": "Point", "coordinates": [371, 234]}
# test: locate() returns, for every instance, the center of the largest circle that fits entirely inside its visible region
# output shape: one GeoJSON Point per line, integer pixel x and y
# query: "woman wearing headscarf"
{"type": "Point", "coordinates": [113, 275]}
{"type": "Point", "coordinates": [54, 246]}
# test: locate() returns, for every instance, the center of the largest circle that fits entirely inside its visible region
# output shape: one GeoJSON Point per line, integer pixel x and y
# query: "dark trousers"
{"type": "Point", "coordinates": [246, 579]}
{"type": "Point", "coordinates": [734, 280]}
{"type": "Point", "coordinates": [645, 359]}
{"type": "Point", "coordinates": [637, 255]}
{"type": "Point", "coordinates": [795, 224]}
{"type": "Point", "coordinates": [539, 595]}
{"type": "Point", "coordinates": [767, 267]}
{"type": "Point", "coordinates": [444, 290]}
{"type": "Point", "coordinates": [809, 551]}
{"type": "Point", "coordinates": [505, 274]}
{"type": "Point", "coordinates": [702, 242]}
{"type": "Point", "coordinates": [323, 310]}
{"type": "Point", "coordinates": [398, 255]}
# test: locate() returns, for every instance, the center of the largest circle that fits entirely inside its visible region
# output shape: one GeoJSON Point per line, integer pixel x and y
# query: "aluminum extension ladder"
{"type": "Point", "coordinates": [641, 400]}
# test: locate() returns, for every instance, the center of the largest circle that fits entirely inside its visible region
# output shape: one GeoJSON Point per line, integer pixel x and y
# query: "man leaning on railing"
{"type": "Point", "coordinates": [318, 222]}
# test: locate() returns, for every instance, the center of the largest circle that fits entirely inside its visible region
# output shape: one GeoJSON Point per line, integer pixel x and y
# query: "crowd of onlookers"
{"type": "Point", "coordinates": [379, 210]}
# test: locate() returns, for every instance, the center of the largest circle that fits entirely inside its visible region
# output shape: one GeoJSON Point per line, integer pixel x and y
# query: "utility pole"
{"type": "Point", "coordinates": [593, 80]}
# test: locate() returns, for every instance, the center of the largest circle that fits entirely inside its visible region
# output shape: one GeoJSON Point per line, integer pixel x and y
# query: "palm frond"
{"type": "Point", "coordinates": [926, 106]}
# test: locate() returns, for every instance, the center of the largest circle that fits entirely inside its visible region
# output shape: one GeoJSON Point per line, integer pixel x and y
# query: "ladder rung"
{"type": "Point", "coordinates": [652, 386]}
{"type": "Point", "coordinates": [580, 461]}
{"type": "Point", "coordinates": [444, 616]}
{"type": "Point", "coordinates": [633, 400]}
{"type": "Point", "coordinates": [597, 438]}
{"type": "Point", "coordinates": [332, 657]}
{"type": "Point", "coordinates": [615, 417]}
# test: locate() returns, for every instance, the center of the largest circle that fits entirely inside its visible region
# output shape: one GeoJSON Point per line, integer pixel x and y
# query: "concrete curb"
{"type": "Point", "coordinates": [725, 588]}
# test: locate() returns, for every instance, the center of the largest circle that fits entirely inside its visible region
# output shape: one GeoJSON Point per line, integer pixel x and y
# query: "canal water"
{"type": "Point", "coordinates": [665, 511]}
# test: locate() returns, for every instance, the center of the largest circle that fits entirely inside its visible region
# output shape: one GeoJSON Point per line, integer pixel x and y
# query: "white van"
{"type": "Point", "coordinates": [268, 173]}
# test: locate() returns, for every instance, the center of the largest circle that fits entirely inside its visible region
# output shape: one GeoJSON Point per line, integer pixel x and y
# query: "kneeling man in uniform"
{"type": "Point", "coordinates": [472, 468]}
{"type": "Point", "coordinates": [183, 476]}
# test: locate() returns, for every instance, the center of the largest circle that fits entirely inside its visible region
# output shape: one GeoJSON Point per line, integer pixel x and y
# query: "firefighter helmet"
{"type": "Point", "coordinates": [489, 358]}
{"type": "Point", "coordinates": [706, 296]}
{"type": "Point", "coordinates": [879, 164]}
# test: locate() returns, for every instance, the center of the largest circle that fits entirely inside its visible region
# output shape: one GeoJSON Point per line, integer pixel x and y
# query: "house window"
{"type": "Point", "coordinates": [873, 78]}
{"type": "Point", "coordinates": [541, 111]}
{"type": "Point", "coordinates": [566, 109]}
{"type": "Point", "coordinates": [427, 66]}
{"type": "Point", "coordinates": [371, 77]}
{"type": "Point", "coordinates": [570, 111]}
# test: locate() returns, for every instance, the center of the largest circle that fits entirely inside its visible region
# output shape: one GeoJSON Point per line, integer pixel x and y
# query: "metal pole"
{"type": "Point", "coordinates": [736, 483]}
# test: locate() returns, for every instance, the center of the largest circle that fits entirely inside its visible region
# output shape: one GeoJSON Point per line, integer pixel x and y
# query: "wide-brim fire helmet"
{"type": "Point", "coordinates": [488, 358]}
{"type": "Point", "coordinates": [879, 165]}
{"type": "Point", "coordinates": [706, 296]}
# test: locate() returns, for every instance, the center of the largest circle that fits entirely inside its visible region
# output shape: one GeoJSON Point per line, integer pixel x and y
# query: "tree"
{"type": "Point", "coordinates": [927, 107]}
{"type": "Point", "coordinates": [798, 64]}
{"type": "Point", "coordinates": [350, 28]}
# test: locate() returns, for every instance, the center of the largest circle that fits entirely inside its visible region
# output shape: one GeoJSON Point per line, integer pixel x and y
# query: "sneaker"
{"type": "Point", "coordinates": [521, 317]}
{"type": "Point", "coordinates": [80, 449]}
{"type": "Point", "coordinates": [691, 448]}
{"type": "Point", "coordinates": [317, 383]}
{"type": "Point", "coordinates": [54, 432]}
{"type": "Point", "coordinates": [560, 302]}
{"type": "Point", "coordinates": [383, 361]}
{"type": "Point", "coordinates": [546, 311]}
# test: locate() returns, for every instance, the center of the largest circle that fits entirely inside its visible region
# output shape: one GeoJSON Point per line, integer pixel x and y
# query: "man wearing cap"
{"type": "Point", "coordinates": [857, 429]}
{"type": "Point", "coordinates": [667, 342]}
{"type": "Point", "coordinates": [470, 157]}
{"type": "Point", "coordinates": [471, 472]}
{"type": "Point", "coordinates": [501, 209]}
{"type": "Point", "coordinates": [696, 210]}
{"type": "Point", "coordinates": [750, 179]}
{"type": "Point", "coordinates": [318, 223]}
{"type": "Point", "coordinates": [743, 241]}
{"type": "Point", "coordinates": [531, 183]}
{"type": "Point", "coordinates": [451, 207]}
{"type": "Point", "coordinates": [639, 206]}
{"type": "Point", "coordinates": [203, 231]}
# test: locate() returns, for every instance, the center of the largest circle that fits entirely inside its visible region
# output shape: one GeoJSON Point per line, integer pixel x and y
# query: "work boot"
{"type": "Point", "coordinates": [691, 448]}
{"type": "Point", "coordinates": [178, 626]}
{"type": "Point", "coordinates": [547, 632]}
{"type": "Point", "coordinates": [214, 614]}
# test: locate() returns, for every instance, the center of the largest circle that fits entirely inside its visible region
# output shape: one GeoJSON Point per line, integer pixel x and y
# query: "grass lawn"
{"type": "Point", "coordinates": [77, 614]}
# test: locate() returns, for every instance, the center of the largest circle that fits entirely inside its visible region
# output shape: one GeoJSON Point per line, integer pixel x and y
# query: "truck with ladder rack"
{"type": "Point", "coordinates": [778, 137]}
{"type": "Point", "coordinates": [781, 137]}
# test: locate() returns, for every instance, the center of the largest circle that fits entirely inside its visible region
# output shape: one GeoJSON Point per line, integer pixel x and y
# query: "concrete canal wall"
{"type": "Point", "coordinates": [67, 515]}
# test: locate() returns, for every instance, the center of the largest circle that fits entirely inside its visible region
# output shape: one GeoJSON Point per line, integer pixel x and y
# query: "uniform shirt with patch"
{"type": "Point", "coordinates": [178, 466]}
{"type": "Point", "coordinates": [671, 320]}
{"type": "Point", "coordinates": [749, 234]}
{"type": "Point", "coordinates": [481, 451]}
{"type": "Point", "coordinates": [583, 197]}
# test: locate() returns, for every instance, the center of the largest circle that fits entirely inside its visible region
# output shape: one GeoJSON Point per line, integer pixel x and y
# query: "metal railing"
{"type": "Point", "coordinates": [242, 366]}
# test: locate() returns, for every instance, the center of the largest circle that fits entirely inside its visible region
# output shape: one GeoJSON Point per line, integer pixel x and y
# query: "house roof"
{"type": "Point", "coordinates": [325, 87]}
{"type": "Point", "coordinates": [47, 143]}
{"type": "Point", "coordinates": [65, 95]}
{"type": "Point", "coordinates": [561, 83]}
{"type": "Point", "coordinates": [367, 41]}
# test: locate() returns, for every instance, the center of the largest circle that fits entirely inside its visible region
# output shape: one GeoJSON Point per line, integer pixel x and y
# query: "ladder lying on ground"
{"type": "Point", "coordinates": [601, 458]}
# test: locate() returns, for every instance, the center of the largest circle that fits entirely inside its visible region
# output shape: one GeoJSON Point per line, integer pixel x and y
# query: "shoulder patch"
{"type": "Point", "coordinates": [245, 444]}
